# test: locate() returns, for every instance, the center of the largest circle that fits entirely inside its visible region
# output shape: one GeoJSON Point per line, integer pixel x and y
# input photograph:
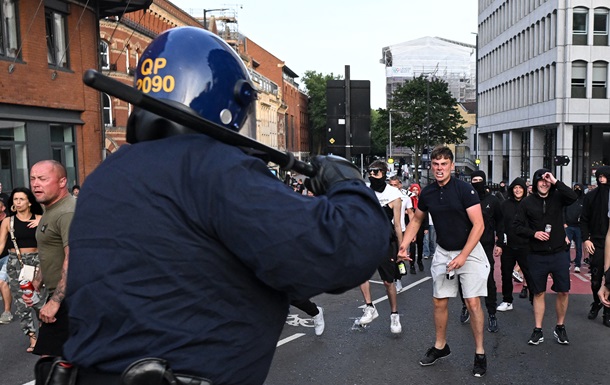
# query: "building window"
{"type": "Point", "coordinates": [107, 111]}
{"type": "Point", "coordinates": [600, 76]}
{"type": "Point", "coordinates": [9, 37]}
{"type": "Point", "coordinates": [57, 49]}
{"type": "Point", "coordinates": [600, 26]}
{"type": "Point", "coordinates": [13, 155]}
{"type": "Point", "coordinates": [63, 148]}
{"type": "Point", "coordinates": [579, 26]}
{"type": "Point", "coordinates": [579, 79]}
{"type": "Point", "coordinates": [104, 55]}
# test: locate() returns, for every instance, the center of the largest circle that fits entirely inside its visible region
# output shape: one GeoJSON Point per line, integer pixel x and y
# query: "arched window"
{"type": "Point", "coordinates": [579, 79]}
{"type": "Point", "coordinates": [600, 82]}
{"type": "Point", "coordinates": [107, 110]}
{"type": "Point", "coordinates": [600, 26]}
{"type": "Point", "coordinates": [580, 26]}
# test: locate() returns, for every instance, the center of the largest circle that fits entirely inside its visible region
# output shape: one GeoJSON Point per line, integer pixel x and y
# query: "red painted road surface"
{"type": "Point", "coordinates": [580, 282]}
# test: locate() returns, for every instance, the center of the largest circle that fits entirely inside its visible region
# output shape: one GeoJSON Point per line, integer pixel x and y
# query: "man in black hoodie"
{"type": "Point", "coordinates": [514, 247]}
{"type": "Point", "coordinates": [492, 217]}
{"type": "Point", "coordinates": [572, 215]}
{"type": "Point", "coordinates": [540, 219]}
{"type": "Point", "coordinates": [594, 226]}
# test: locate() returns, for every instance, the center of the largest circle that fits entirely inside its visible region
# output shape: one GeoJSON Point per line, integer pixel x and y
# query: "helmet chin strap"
{"type": "Point", "coordinates": [144, 125]}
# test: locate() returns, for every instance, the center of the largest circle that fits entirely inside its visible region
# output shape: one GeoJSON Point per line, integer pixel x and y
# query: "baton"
{"type": "Point", "coordinates": [189, 119]}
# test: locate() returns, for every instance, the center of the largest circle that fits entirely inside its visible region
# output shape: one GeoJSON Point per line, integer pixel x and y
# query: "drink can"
{"type": "Point", "coordinates": [450, 273]}
{"type": "Point", "coordinates": [547, 228]}
{"type": "Point", "coordinates": [28, 291]}
{"type": "Point", "coordinates": [402, 269]}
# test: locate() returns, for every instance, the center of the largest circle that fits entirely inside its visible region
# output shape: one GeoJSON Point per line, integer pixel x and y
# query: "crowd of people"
{"type": "Point", "coordinates": [144, 279]}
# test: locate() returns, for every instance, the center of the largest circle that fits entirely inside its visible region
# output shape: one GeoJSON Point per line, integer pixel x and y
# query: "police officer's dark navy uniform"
{"type": "Point", "coordinates": [170, 260]}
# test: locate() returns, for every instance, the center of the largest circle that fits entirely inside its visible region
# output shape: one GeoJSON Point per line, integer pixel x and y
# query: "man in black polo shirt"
{"type": "Point", "coordinates": [458, 219]}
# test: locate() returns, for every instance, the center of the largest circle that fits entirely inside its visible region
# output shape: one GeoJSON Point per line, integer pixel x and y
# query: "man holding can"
{"type": "Point", "coordinates": [540, 219]}
{"type": "Point", "coordinates": [456, 211]}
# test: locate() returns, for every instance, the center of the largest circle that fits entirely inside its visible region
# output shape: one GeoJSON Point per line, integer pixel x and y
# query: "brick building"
{"type": "Point", "coordinates": [45, 110]}
{"type": "Point", "coordinates": [291, 104]}
{"type": "Point", "coordinates": [121, 43]}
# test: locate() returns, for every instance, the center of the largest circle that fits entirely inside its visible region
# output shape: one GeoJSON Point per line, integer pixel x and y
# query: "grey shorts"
{"type": "Point", "coordinates": [3, 274]}
{"type": "Point", "coordinates": [472, 276]}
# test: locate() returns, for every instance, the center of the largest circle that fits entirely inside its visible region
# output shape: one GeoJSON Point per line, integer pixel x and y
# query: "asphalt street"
{"type": "Point", "coordinates": [350, 355]}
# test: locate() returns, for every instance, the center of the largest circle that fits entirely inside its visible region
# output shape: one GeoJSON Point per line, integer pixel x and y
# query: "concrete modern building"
{"type": "Point", "coordinates": [451, 61]}
{"type": "Point", "coordinates": [543, 87]}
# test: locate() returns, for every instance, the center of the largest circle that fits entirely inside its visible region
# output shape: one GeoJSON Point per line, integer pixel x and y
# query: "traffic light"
{"type": "Point", "coordinates": [561, 160]}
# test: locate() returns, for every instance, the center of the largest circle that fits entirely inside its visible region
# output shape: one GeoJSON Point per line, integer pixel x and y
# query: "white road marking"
{"type": "Point", "coordinates": [288, 339]}
{"type": "Point", "coordinates": [405, 288]}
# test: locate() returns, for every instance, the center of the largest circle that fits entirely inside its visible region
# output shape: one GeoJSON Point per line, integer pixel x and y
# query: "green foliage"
{"type": "Point", "coordinates": [379, 131]}
{"type": "Point", "coordinates": [315, 88]}
{"type": "Point", "coordinates": [420, 104]}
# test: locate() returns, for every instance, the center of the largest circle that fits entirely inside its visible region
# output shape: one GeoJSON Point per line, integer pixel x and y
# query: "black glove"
{"type": "Point", "coordinates": [330, 170]}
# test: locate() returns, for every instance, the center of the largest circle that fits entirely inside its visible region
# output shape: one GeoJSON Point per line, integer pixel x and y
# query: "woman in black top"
{"type": "Point", "coordinates": [25, 214]}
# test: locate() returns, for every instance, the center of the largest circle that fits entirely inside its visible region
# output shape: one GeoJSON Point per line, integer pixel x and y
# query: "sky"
{"type": "Point", "coordinates": [325, 36]}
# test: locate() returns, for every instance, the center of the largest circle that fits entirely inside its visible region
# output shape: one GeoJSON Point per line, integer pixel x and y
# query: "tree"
{"type": "Point", "coordinates": [315, 88]}
{"type": "Point", "coordinates": [424, 114]}
{"type": "Point", "coordinates": [379, 131]}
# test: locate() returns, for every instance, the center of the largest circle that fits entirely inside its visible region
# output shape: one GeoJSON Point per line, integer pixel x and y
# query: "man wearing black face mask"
{"type": "Point", "coordinates": [494, 224]}
{"type": "Point", "coordinates": [390, 199]}
{"type": "Point", "coordinates": [572, 224]}
{"type": "Point", "coordinates": [594, 227]}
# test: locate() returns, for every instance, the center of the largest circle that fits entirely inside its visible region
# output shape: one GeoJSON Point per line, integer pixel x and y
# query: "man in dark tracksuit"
{"type": "Point", "coordinates": [514, 247]}
{"type": "Point", "coordinates": [492, 216]}
{"type": "Point", "coordinates": [572, 219]}
{"type": "Point", "coordinates": [594, 226]}
{"type": "Point", "coordinates": [540, 219]}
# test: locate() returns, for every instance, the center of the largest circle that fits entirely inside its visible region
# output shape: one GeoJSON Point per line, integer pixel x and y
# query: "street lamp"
{"type": "Point", "coordinates": [205, 19]}
{"type": "Point", "coordinates": [476, 122]}
{"type": "Point", "coordinates": [390, 150]}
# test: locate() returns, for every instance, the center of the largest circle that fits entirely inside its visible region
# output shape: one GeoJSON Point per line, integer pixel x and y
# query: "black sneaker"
{"type": "Point", "coordinates": [493, 324]}
{"type": "Point", "coordinates": [421, 266]}
{"type": "Point", "coordinates": [433, 354]}
{"type": "Point", "coordinates": [536, 337]}
{"type": "Point", "coordinates": [595, 308]}
{"type": "Point", "coordinates": [561, 335]}
{"type": "Point", "coordinates": [412, 269]}
{"type": "Point", "coordinates": [480, 365]}
{"type": "Point", "coordinates": [523, 293]}
{"type": "Point", "coordinates": [464, 315]}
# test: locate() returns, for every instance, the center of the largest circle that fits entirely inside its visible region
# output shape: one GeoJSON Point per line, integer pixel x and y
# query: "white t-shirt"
{"type": "Point", "coordinates": [390, 194]}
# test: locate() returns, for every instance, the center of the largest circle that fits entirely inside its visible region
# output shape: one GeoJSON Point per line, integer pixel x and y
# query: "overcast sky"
{"type": "Point", "coordinates": [324, 36]}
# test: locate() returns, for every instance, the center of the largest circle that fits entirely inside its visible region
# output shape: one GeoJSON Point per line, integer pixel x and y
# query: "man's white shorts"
{"type": "Point", "coordinates": [472, 276]}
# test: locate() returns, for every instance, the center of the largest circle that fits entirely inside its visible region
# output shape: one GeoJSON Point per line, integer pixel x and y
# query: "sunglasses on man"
{"type": "Point", "coordinates": [374, 171]}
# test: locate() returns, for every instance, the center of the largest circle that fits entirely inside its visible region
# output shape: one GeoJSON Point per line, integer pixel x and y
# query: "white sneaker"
{"type": "Point", "coordinates": [318, 322]}
{"type": "Point", "coordinates": [505, 306]}
{"type": "Point", "coordinates": [517, 276]}
{"type": "Point", "coordinates": [398, 285]}
{"type": "Point", "coordinates": [395, 326]}
{"type": "Point", "coordinates": [370, 313]}
{"type": "Point", "coordinates": [6, 317]}
{"type": "Point", "coordinates": [577, 269]}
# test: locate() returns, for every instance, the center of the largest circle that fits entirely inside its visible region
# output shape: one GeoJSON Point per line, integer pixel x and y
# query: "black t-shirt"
{"type": "Point", "coordinates": [447, 205]}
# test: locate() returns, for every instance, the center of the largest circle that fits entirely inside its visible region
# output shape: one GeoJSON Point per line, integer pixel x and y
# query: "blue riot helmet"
{"type": "Point", "coordinates": [194, 69]}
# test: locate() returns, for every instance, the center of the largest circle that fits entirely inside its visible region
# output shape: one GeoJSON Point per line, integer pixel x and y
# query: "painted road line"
{"type": "Point", "coordinates": [288, 339]}
{"type": "Point", "coordinates": [405, 288]}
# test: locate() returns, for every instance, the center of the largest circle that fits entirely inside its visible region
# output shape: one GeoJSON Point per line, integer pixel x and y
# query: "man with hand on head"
{"type": "Point", "coordinates": [540, 219]}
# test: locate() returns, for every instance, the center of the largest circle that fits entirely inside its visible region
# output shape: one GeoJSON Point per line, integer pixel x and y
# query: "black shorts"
{"type": "Point", "coordinates": [51, 337]}
{"type": "Point", "coordinates": [388, 270]}
{"type": "Point", "coordinates": [540, 266]}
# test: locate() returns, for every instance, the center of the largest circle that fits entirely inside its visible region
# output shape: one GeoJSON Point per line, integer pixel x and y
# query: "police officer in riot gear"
{"type": "Point", "coordinates": [170, 260]}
